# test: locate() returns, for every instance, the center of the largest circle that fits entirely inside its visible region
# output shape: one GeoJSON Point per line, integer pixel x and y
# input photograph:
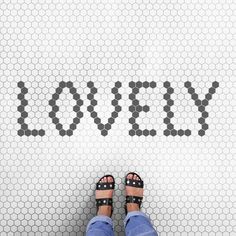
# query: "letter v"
{"type": "Point", "coordinates": [104, 127]}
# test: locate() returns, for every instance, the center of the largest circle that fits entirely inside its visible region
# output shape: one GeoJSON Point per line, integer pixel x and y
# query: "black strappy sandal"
{"type": "Point", "coordinates": [105, 186]}
{"type": "Point", "coordinates": [136, 184]}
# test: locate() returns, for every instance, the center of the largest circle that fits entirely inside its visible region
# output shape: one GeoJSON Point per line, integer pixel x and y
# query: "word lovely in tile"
{"type": "Point", "coordinates": [135, 109]}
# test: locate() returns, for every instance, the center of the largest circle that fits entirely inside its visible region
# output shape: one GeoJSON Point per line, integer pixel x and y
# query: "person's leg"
{"type": "Point", "coordinates": [102, 223]}
{"type": "Point", "coordinates": [136, 223]}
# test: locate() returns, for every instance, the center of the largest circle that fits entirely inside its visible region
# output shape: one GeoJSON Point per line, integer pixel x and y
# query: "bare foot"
{"type": "Point", "coordinates": [105, 210]}
{"type": "Point", "coordinates": [133, 191]}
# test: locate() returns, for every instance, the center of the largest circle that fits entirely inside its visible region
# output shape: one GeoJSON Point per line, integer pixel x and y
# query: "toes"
{"type": "Point", "coordinates": [103, 180]}
{"type": "Point", "coordinates": [133, 176]}
{"type": "Point", "coordinates": [109, 179]}
{"type": "Point", "coordinates": [130, 176]}
{"type": "Point", "coordinates": [137, 178]}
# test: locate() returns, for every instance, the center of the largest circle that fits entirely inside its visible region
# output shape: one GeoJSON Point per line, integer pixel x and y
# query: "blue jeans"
{"type": "Point", "coordinates": [136, 224]}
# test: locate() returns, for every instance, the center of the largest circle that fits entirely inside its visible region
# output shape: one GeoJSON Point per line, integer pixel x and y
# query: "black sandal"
{"type": "Point", "coordinates": [136, 184]}
{"type": "Point", "coordinates": [105, 186]}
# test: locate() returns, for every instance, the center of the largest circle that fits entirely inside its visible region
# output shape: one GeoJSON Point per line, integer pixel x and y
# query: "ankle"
{"type": "Point", "coordinates": [104, 211]}
{"type": "Point", "coordinates": [132, 207]}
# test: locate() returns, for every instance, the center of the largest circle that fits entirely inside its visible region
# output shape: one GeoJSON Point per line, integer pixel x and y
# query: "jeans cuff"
{"type": "Point", "coordinates": [100, 218]}
{"type": "Point", "coordinates": [134, 213]}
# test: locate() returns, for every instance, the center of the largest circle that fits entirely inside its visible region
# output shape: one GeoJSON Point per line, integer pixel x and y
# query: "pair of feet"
{"type": "Point", "coordinates": [130, 191]}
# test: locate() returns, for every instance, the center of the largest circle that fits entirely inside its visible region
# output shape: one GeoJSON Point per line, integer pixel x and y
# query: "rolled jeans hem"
{"type": "Point", "coordinates": [100, 218]}
{"type": "Point", "coordinates": [134, 213]}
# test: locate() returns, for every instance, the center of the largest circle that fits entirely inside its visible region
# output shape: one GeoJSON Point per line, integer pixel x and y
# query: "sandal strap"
{"type": "Point", "coordinates": [134, 183]}
{"type": "Point", "coordinates": [134, 199]}
{"type": "Point", "coordinates": [105, 186]}
{"type": "Point", "coordinates": [104, 201]}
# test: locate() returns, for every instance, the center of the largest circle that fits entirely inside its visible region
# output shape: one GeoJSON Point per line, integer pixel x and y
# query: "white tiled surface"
{"type": "Point", "coordinates": [47, 182]}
